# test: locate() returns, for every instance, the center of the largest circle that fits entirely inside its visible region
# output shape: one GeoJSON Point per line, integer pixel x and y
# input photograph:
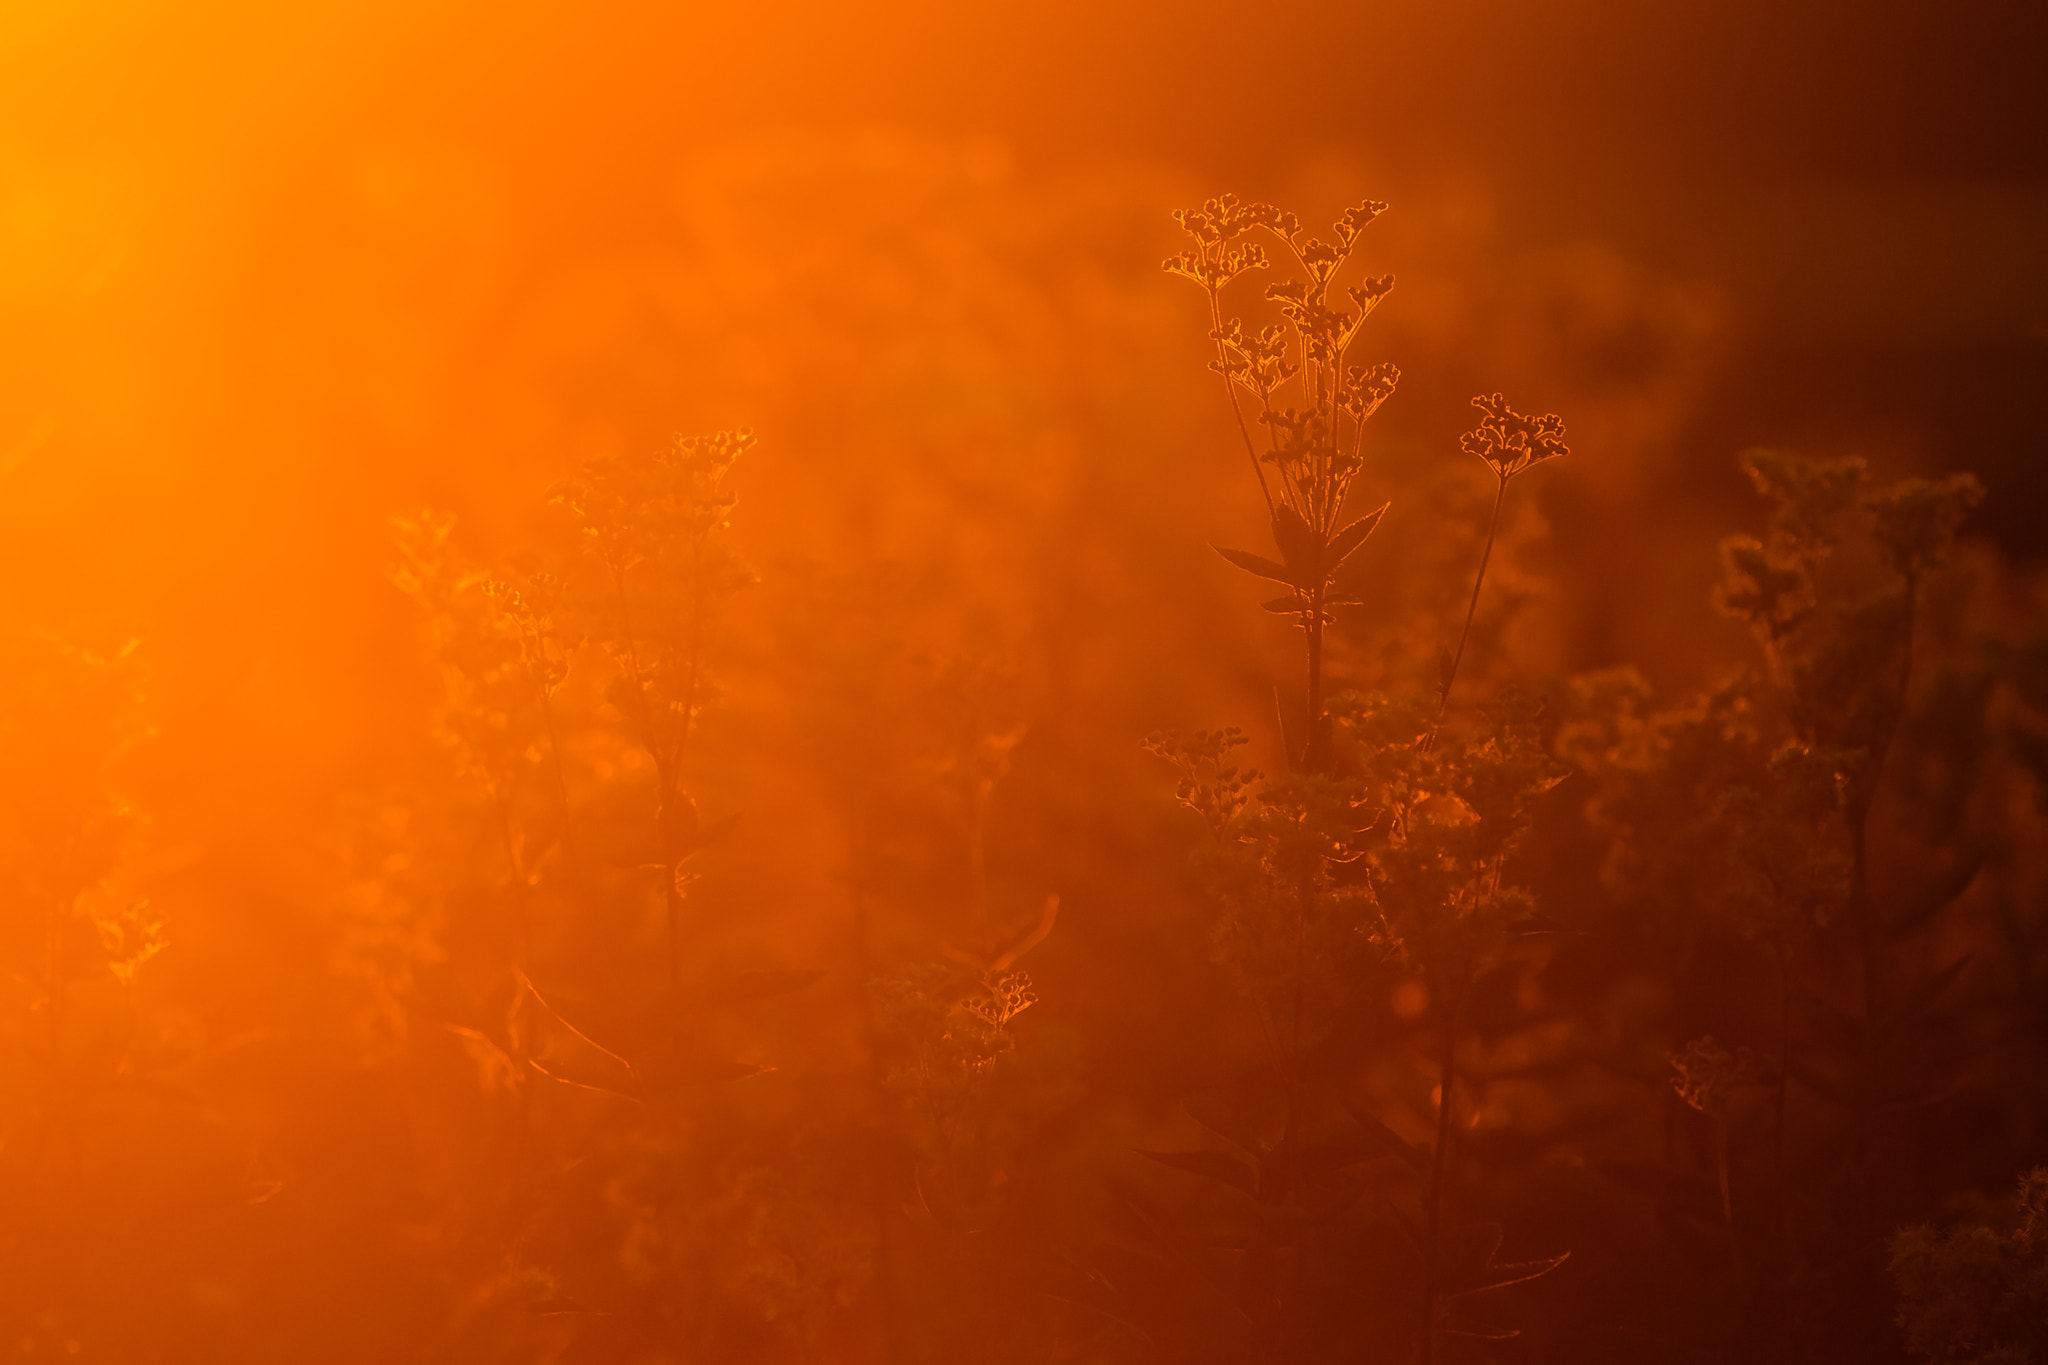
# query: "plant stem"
{"type": "Point", "coordinates": [878, 1174]}
{"type": "Point", "coordinates": [1315, 752]}
{"type": "Point", "coordinates": [522, 956]}
{"type": "Point", "coordinates": [695, 654]}
{"type": "Point", "coordinates": [1784, 1076]}
{"type": "Point", "coordinates": [1472, 609]}
{"type": "Point", "coordinates": [1230, 389]}
{"type": "Point", "coordinates": [547, 717]}
{"type": "Point", "coordinates": [1875, 1004]}
{"type": "Point", "coordinates": [977, 854]}
{"type": "Point", "coordinates": [1727, 1199]}
{"type": "Point", "coordinates": [1781, 1231]}
{"type": "Point", "coordinates": [1438, 1168]}
{"type": "Point", "coordinates": [53, 1004]}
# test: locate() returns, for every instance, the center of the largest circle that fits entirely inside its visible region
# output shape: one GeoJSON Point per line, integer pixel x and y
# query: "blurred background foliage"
{"type": "Point", "coordinates": [268, 280]}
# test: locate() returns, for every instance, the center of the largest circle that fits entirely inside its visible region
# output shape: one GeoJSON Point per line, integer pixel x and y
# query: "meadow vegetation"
{"type": "Point", "coordinates": [788, 927]}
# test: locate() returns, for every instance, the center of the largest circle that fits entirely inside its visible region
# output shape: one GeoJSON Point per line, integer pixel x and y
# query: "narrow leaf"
{"type": "Point", "coordinates": [1322, 1160]}
{"type": "Point", "coordinates": [1257, 564]}
{"type": "Point", "coordinates": [1818, 1084]}
{"type": "Point", "coordinates": [1679, 1191]}
{"type": "Point", "coordinates": [573, 1083]}
{"type": "Point", "coordinates": [1924, 995]}
{"type": "Point", "coordinates": [1299, 545]}
{"type": "Point", "coordinates": [1939, 895]}
{"type": "Point", "coordinates": [1219, 1119]}
{"type": "Point", "coordinates": [494, 1066]}
{"type": "Point", "coordinates": [574, 1032]}
{"type": "Point", "coordinates": [1285, 606]}
{"type": "Point", "coordinates": [1514, 1272]}
{"type": "Point", "coordinates": [1219, 1166]}
{"type": "Point", "coordinates": [1048, 916]}
{"type": "Point", "coordinates": [1381, 1137]}
{"type": "Point", "coordinates": [758, 986]}
{"type": "Point", "coordinates": [715, 832]}
{"type": "Point", "coordinates": [1346, 542]}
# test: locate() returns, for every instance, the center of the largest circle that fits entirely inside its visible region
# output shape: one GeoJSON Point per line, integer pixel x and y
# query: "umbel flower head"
{"type": "Point", "coordinates": [1511, 442]}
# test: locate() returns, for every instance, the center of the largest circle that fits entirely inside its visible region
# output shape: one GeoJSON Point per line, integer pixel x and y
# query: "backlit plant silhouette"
{"type": "Point", "coordinates": [634, 600]}
{"type": "Point", "coordinates": [449, 1013]}
{"type": "Point", "coordinates": [1394, 845]}
{"type": "Point", "coordinates": [1310, 399]}
{"type": "Point", "coordinates": [72, 715]}
{"type": "Point", "coordinates": [654, 577]}
{"type": "Point", "coordinates": [1751, 809]}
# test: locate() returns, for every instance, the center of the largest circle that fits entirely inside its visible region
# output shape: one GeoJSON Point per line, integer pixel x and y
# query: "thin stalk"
{"type": "Point", "coordinates": [671, 771]}
{"type": "Point", "coordinates": [1875, 1004]}
{"type": "Point", "coordinates": [1315, 754]}
{"type": "Point", "coordinates": [977, 854]}
{"type": "Point", "coordinates": [547, 719]}
{"type": "Point", "coordinates": [53, 1024]}
{"type": "Point", "coordinates": [517, 866]}
{"type": "Point", "coordinates": [1230, 388]}
{"type": "Point", "coordinates": [1781, 1237]}
{"type": "Point", "coordinates": [1306, 899]}
{"type": "Point", "coordinates": [674, 904]}
{"type": "Point", "coordinates": [515, 1177]}
{"type": "Point", "coordinates": [695, 654]}
{"type": "Point", "coordinates": [1471, 610]}
{"type": "Point", "coordinates": [1727, 1199]}
{"type": "Point", "coordinates": [1778, 1099]}
{"type": "Point", "coordinates": [1438, 1167]}
{"type": "Point", "coordinates": [640, 717]}
{"type": "Point", "coordinates": [515, 1191]}
{"type": "Point", "coordinates": [1859, 821]}
{"type": "Point", "coordinates": [877, 1084]}
{"type": "Point", "coordinates": [1297, 1192]}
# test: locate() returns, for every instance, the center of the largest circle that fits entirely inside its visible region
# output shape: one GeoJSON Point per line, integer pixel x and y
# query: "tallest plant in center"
{"type": "Point", "coordinates": [1309, 402]}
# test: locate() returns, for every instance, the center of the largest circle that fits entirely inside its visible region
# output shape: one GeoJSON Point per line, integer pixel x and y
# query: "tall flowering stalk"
{"type": "Point", "coordinates": [1403, 846]}
{"type": "Point", "coordinates": [1508, 443]}
{"type": "Point", "coordinates": [649, 526]}
{"type": "Point", "coordinates": [1310, 401]}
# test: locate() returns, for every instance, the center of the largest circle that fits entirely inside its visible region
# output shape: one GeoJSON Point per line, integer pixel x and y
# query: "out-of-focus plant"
{"type": "Point", "coordinates": [654, 576]}
{"type": "Point", "coordinates": [1752, 809]}
{"type": "Point", "coordinates": [1977, 1294]}
{"type": "Point", "coordinates": [643, 583]}
{"type": "Point", "coordinates": [1450, 816]}
{"type": "Point", "coordinates": [1841, 665]}
{"type": "Point", "coordinates": [1312, 402]}
{"type": "Point", "coordinates": [72, 714]}
{"type": "Point", "coordinates": [946, 1029]}
{"type": "Point", "coordinates": [1508, 443]}
{"type": "Point", "coordinates": [1709, 1079]}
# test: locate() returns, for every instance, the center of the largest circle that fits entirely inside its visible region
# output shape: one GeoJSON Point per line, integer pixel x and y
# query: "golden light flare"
{"type": "Point", "coordinates": [661, 701]}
